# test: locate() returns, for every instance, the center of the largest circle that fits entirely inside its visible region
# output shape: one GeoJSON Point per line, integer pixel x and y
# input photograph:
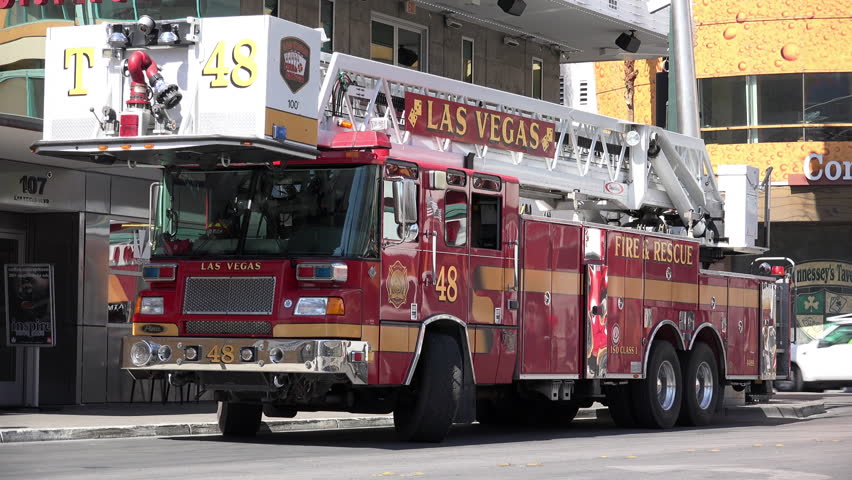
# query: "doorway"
{"type": "Point", "coordinates": [12, 362]}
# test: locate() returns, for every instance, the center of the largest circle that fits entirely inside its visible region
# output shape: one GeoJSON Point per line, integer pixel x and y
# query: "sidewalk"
{"type": "Point", "coordinates": [153, 419]}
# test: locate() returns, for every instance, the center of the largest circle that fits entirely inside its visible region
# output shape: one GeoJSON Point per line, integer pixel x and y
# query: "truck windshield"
{"type": "Point", "coordinates": [262, 211]}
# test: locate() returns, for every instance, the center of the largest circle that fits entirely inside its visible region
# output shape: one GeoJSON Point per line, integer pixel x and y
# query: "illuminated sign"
{"type": "Point", "coordinates": [462, 122]}
{"type": "Point", "coordinates": [26, 3]}
{"type": "Point", "coordinates": [816, 168]}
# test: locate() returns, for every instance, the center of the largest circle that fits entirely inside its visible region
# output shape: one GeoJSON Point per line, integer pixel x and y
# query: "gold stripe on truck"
{"type": "Point", "coordinates": [707, 292]}
{"type": "Point", "coordinates": [743, 297]}
{"type": "Point", "coordinates": [316, 330]}
{"type": "Point", "coordinates": [299, 129]}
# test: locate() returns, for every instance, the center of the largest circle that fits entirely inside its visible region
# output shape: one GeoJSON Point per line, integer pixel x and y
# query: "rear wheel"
{"type": "Point", "coordinates": [702, 387]}
{"type": "Point", "coordinates": [426, 409]}
{"type": "Point", "coordinates": [239, 419]}
{"type": "Point", "coordinates": [658, 396]}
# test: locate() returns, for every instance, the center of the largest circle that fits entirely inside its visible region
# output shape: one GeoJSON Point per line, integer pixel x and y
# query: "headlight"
{"type": "Point", "coordinates": [141, 353]}
{"type": "Point", "coordinates": [319, 306]}
{"type": "Point", "coordinates": [151, 306]}
{"type": "Point", "coordinates": [164, 353]}
{"type": "Point", "coordinates": [311, 306]}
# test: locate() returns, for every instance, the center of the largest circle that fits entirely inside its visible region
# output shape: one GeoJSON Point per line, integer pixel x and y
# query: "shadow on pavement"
{"type": "Point", "coordinates": [462, 435]}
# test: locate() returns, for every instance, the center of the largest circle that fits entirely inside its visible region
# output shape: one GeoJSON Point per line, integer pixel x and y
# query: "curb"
{"type": "Point", "coordinates": [161, 430]}
{"type": "Point", "coordinates": [789, 411]}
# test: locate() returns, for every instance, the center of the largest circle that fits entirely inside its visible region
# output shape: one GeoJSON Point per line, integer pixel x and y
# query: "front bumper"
{"type": "Point", "coordinates": [318, 356]}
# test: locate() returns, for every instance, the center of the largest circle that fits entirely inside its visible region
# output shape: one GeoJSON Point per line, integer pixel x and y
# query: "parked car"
{"type": "Point", "coordinates": [825, 362]}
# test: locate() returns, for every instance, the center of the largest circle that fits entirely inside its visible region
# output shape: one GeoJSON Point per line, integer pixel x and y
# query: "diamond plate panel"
{"type": "Point", "coordinates": [235, 123]}
{"type": "Point", "coordinates": [225, 327]}
{"type": "Point", "coordinates": [229, 295]}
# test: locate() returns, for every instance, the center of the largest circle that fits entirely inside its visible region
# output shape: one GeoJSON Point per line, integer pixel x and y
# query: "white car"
{"type": "Point", "coordinates": [825, 362]}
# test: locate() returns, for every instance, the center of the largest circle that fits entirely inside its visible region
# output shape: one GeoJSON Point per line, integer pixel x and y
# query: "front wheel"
{"type": "Point", "coordinates": [425, 410]}
{"type": "Point", "coordinates": [239, 419]}
{"type": "Point", "coordinates": [702, 387]}
{"type": "Point", "coordinates": [658, 396]}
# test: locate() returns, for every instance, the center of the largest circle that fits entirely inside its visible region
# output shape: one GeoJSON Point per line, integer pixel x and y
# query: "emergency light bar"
{"type": "Point", "coordinates": [777, 270]}
{"type": "Point", "coordinates": [159, 272]}
{"type": "Point", "coordinates": [322, 272]}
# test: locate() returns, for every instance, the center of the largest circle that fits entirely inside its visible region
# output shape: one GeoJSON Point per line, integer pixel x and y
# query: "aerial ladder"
{"type": "Point", "coordinates": [602, 169]}
{"type": "Point", "coordinates": [227, 106]}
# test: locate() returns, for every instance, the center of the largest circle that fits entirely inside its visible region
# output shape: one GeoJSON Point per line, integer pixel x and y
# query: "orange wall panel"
{"type": "Point", "coordinates": [786, 158]}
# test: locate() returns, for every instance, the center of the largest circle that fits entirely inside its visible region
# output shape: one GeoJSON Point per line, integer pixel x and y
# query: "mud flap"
{"type": "Point", "coordinates": [466, 412]}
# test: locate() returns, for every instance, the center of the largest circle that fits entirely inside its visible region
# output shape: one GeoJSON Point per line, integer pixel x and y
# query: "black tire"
{"type": "Point", "coordinates": [425, 410]}
{"type": "Point", "coordinates": [651, 410]}
{"type": "Point", "coordinates": [702, 387]}
{"type": "Point", "coordinates": [619, 399]}
{"type": "Point", "coordinates": [239, 419]}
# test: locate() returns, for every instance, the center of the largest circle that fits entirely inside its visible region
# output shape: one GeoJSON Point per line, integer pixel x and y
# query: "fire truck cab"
{"type": "Point", "coordinates": [359, 237]}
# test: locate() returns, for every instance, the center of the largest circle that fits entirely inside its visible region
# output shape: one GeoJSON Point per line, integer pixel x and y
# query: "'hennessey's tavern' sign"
{"type": "Point", "coordinates": [457, 121]}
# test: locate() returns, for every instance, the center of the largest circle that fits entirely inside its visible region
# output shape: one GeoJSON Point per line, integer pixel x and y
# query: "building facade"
{"type": "Point", "coordinates": [775, 88]}
{"type": "Point", "coordinates": [89, 222]}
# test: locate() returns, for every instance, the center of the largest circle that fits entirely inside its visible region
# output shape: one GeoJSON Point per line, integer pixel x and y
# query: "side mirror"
{"type": "Point", "coordinates": [405, 201]}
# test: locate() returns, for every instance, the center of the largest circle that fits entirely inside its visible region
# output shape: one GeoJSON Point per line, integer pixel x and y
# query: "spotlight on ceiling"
{"type": "Point", "coordinates": [628, 43]}
{"type": "Point", "coordinates": [513, 7]}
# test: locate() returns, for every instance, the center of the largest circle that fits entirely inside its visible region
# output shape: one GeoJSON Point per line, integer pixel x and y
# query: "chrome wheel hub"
{"type": "Point", "coordinates": [666, 385]}
{"type": "Point", "coordinates": [704, 386]}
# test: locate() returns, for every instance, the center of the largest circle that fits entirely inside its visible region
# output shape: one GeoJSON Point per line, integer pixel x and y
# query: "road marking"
{"type": "Point", "coordinates": [535, 464]}
{"type": "Point", "coordinates": [603, 456]}
{"type": "Point", "coordinates": [504, 464]}
{"type": "Point", "coordinates": [758, 444]}
{"type": "Point", "coordinates": [631, 456]}
{"type": "Point", "coordinates": [715, 450]}
{"type": "Point", "coordinates": [691, 450]}
{"type": "Point", "coordinates": [779, 444]}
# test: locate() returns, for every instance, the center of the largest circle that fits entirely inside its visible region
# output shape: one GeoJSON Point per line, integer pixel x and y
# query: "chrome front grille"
{"type": "Point", "coordinates": [227, 327]}
{"type": "Point", "coordinates": [229, 295]}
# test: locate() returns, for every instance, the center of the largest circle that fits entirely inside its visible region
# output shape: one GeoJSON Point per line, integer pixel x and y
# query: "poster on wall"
{"type": "Point", "coordinates": [30, 315]}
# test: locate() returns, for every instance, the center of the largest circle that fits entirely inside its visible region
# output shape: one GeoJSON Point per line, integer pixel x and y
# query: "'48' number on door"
{"type": "Point", "coordinates": [447, 285]}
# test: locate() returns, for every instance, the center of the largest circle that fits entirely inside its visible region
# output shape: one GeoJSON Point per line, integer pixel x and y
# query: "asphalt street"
{"type": "Point", "coordinates": [818, 447]}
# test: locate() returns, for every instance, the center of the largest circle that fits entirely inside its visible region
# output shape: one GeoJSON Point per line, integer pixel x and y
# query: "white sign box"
{"type": "Point", "coordinates": [254, 77]}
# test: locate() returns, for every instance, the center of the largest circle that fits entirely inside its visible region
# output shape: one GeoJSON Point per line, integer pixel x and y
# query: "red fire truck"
{"type": "Point", "coordinates": [341, 234]}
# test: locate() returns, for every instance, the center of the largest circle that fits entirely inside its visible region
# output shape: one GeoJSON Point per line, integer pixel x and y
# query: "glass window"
{"type": "Point", "coordinates": [828, 98]}
{"type": "Point", "coordinates": [165, 9]}
{"type": "Point", "coordinates": [467, 60]}
{"type": "Point", "coordinates": [22, 93]}
{"type": "Point", "coordinates": [485, 221]}
{"type": "Point", "coordinates": [537, 66]}
{"type": "Point", "coordinates": [837, 336]}
{"type": "Point", "coordinates": [779, 99]}
{"type": "Point", "coordinates": [18, 14]}
{"type": "Point", "coordinates": [390, 228]}
{"type": "Point", "coordinates": [768, 135]}
{"type": "Point", "coordinates": [127, 250]}
{"type": "Point", "coordinates": [725, 137]}
{"type": "Point", "coordinates": [723, 102]}
{"type": "Point", "coordinates": [828, 134]}
{"type": "Point", "coordinates": [13, 91]}
{"type": "Point", "coordinates": [328, 211]}
{"type": "Point", "coordinates": [455, 219]}
{"type": "Point", "coordinates": [327, 22]}
{"type": "Point", "coordinates": [397, 45]}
